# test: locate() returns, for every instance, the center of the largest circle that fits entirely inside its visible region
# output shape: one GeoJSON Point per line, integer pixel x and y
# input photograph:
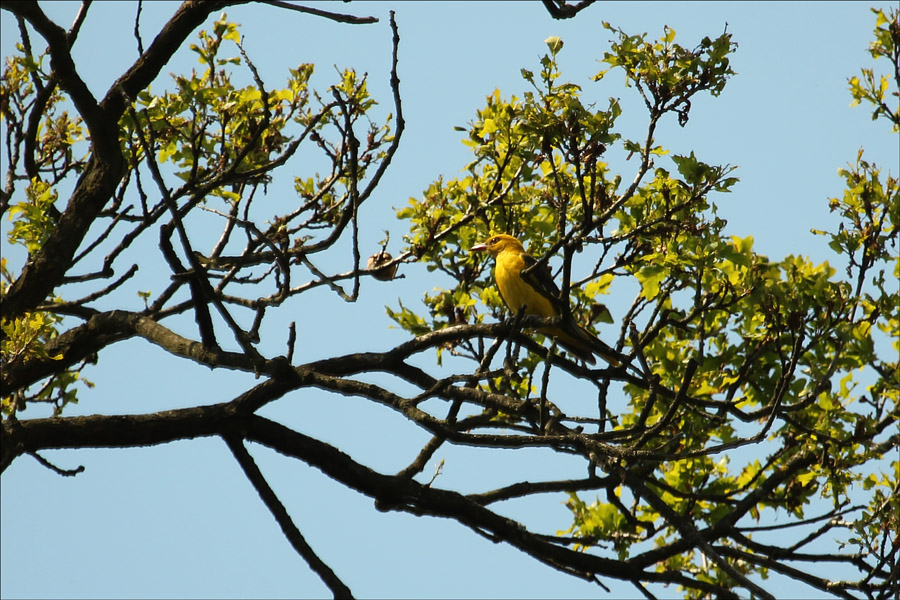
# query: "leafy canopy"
{"type": "Point", "coordinates": [759, 395]}
{"type": "Point", "coordinates": [739, 349]}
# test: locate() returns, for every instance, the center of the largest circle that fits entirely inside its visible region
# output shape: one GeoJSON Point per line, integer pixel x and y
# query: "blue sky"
{"type": "Point", "coordinates": [182, 521]}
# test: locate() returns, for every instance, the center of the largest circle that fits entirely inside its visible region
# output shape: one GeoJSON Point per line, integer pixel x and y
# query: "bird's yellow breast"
{"type": "Point", "coordinates": [515, 291]}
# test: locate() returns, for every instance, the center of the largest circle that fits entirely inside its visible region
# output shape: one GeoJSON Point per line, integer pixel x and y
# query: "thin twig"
{"type": "Point", "coordinates": [268, 496]}
{"type": "Point", "coordinates": [55, 469]}
{"type": "Point", "coordinates": [340, 18]}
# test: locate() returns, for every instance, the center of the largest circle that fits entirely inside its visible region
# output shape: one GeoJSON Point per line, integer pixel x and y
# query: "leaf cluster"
{"type": "Point", "coordinates": [198, 157]}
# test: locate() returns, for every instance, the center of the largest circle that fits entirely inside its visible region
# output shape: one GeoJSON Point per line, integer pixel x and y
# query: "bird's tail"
{"type": "Point", "coordinates": [583, 344]}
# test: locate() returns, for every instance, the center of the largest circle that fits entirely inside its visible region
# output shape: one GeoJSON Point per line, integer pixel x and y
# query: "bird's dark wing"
{"type": "Point", "coordinates": [569, 334]}
{"type": "Point", "coordinates": [540, 279]}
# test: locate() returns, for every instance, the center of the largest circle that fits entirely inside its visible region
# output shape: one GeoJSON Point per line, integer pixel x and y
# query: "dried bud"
{"type": "Point", "coordinates": [377, 260]}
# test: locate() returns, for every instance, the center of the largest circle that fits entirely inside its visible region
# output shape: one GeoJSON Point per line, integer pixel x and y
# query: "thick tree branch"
{"type": "Point", "coordinates": [560, 9]}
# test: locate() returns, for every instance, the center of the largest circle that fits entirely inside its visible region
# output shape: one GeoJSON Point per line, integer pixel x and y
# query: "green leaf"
{"type": "Point", "coordinates": [650, 277]}
{"type": "Point", "coordinates": [668, 35]}
{"type": "Point", "coordinates": [599, 286]}
{"type": "Point", "coordinates": [554, 43]}
{"type": "Point", "coordinates": [488, 127]}
{"type": "Point", "coordinates": [805, 478]}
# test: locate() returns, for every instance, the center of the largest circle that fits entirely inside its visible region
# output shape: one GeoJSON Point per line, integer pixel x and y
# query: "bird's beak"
{"type": "Point", "coordinates": [478, 248]}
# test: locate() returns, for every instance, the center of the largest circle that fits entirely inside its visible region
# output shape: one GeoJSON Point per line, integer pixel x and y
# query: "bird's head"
{"type": "Point", "coordinates": [498, 243]}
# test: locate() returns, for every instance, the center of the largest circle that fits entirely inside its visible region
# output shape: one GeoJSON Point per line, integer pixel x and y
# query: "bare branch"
{"type": "Point", "coordinates": [340, 18]}
{"type": "Point", "coordinates": [251, 470]}
{"type": "Point", "coordinates": [560, 9]}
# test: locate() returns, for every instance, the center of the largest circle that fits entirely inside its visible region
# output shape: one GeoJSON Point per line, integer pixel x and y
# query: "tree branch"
{"type": "Point", "coordinates": [560, 9]}
{"type": "Point", "coordinates": [251, 470]}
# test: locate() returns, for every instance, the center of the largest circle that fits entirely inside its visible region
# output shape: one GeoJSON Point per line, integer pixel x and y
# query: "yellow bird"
{"type": "Point", "coordinates": [537, 292]}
